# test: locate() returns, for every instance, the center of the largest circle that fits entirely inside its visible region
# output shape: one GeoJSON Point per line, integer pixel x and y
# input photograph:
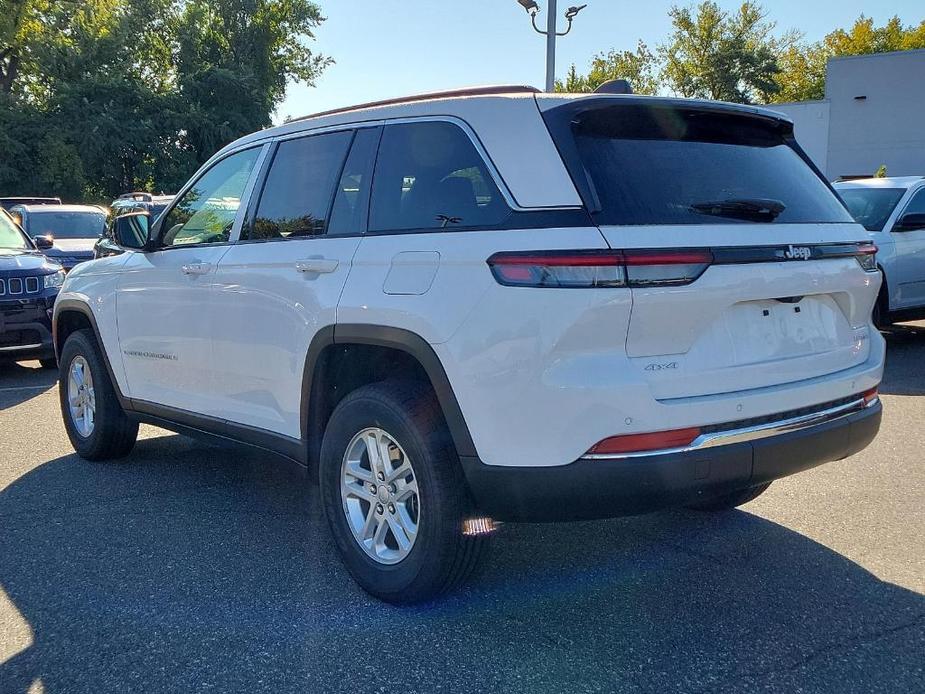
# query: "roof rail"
{"type": "Point", "coordinates": [448, 94]}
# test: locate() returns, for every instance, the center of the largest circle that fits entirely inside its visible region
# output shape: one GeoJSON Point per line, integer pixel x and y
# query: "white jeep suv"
{"type": "Point", "coordinates": [490, 305]}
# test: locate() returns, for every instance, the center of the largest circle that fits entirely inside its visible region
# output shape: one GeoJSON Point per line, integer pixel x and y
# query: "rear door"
{"type": "Point", "coordinates": [281, 282]}
{"type": "Point", "coordinates": [746, 271]}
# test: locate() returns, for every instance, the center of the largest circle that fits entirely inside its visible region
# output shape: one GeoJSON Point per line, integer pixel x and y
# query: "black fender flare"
{"type": "Point", "coordinates": [392, 338]}
{"type": "Point", "coordinates": [77, 306]}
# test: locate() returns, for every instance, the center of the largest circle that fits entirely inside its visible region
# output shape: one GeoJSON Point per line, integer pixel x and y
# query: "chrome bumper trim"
{"type": "Point", "coordinates": [17, 348]}
{"type": "Point", "coordinates": [752, 433]}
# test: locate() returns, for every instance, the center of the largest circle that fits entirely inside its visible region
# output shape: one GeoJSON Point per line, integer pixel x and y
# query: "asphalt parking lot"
{"type": "Point", "coordinates": [198, 568]}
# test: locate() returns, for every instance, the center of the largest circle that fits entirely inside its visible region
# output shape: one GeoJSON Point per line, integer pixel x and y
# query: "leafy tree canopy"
{"type": "Point", "coordinates": [102, 96]}
{"type": "Point", "coordinates": [715, 54]}
{"type": "Point", "coordinates": [640, 67]}
{"type": "Point", "coordinates": [739, 56]}
{"type": "Point", "coordinates": [802, 75]}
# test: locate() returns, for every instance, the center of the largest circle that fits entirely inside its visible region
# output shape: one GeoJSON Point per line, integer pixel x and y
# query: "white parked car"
{"type": "Point", "coordinates": [490, 305]}
{"type": "Point", "coordinates": [893, 211]}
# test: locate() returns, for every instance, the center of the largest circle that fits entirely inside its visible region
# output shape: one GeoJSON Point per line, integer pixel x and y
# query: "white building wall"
{"type": "Point", "coordinates": [811, 128]}
{"type": "Point", "coordinates": [873, 114]}
{"type": "Point", "coordinates": [887, 125]}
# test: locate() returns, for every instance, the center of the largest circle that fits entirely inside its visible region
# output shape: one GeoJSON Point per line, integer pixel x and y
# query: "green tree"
{"type": "Point", "coordinates": [802, 75]}
{"type": "Point", "coordinates": [715, 54]}
{"type": "Point", "coordinates": [235, 58]}
{"type": "Point", "coordinates": [574, 83]}
{"type": "Point", "coordinates": [101, 96]}
{"type": "Point", "coordinates": [640, 68]}
{"type": "Point", "coordinates": [21, 28]}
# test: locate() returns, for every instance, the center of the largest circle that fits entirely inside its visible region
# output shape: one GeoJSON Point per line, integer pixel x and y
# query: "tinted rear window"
{"type": "Point", "coordinates": [871, 206]}
{"type": "Point", "coordinates": [660, 165]}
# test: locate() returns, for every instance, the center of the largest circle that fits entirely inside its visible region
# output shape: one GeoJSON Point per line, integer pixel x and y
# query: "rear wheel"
{"type": "Point", "coordinates": [394, 494]}
{"type": "Point", "coordinates": [95, 421]}
{"type": "Point", "coordinates": [730, 501]}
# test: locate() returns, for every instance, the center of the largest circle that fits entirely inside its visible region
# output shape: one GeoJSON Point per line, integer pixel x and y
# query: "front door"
{"type": "Point", "coordinates": [909, 267]}
{"type": "Point", "coordinates": [164, 299]}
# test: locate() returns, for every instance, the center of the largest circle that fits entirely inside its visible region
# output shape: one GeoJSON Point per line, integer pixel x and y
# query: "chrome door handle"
{"type": "Point", "coordinates": [320, 265]}
{"type": "Point", "coordinates": [196, 268]}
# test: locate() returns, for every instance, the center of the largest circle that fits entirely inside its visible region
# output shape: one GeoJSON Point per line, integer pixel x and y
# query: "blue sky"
{"type": "Point", "coordinates": [387, 48]}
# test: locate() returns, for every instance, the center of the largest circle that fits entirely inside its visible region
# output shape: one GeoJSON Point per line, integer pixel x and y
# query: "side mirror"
{"type": "Point", "coordinates": [43, 243]}
{"type": "Point", "coordinates": [132, 230]}
{"type": "Point", "coordinates": [910, 222]}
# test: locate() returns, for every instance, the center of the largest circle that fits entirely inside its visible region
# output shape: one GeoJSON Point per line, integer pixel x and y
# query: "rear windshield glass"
{"type": "Point", "coordinates": [660, 165]}
{"type": "Point", "coordinates": [66, 225]}
{"type": "Point", "coordinates": [871, 206]}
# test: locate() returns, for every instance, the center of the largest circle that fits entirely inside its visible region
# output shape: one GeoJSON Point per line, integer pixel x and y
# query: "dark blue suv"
{"type": "Point", "coordinates": [29, 284]}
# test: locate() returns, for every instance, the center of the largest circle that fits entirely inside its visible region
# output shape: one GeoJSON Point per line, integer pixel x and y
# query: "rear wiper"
{"type": "Point", "coordinates": [750, 209]}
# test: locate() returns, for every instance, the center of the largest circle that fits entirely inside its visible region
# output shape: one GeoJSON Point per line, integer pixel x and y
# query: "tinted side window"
{"type": "Point", "coordinates": [351, 202]}
{"type": "Point", "coordinates": [429, 175]}
{"type": "Point", "coordinates": [298, 190]}
{"type": "Point", "coordinates": [916, 204]}
{"type": "Point", "coordinates": [206, 212]}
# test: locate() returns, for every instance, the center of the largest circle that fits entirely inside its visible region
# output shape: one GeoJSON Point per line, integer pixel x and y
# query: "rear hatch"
{"type": "Point", "coordinates": [746, 271]}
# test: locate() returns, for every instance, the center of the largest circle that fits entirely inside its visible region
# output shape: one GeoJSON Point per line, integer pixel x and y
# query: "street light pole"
{"type": "Point", "coordinates": [551, 34]}
{"type": "Point", "coordinates": [551, 46]}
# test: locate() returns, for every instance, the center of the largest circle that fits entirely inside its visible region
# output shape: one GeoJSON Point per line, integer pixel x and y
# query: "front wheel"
{"type": "Point", "coordinates": [394, 494]}
{"type": "Point", "coordinates": [95, 422]}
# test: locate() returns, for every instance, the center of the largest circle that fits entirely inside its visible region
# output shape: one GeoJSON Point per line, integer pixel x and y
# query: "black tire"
{"type": "Point", "coordinates": [881, 313]}
{"type": "Point", "coordinates": [113, 435]}
{"type": "Point", "coordinates": [50, 363]}
{"type": "Point", "coordinates": [441, 557]}
{"type": "Point", "coordinates": [727, 502]}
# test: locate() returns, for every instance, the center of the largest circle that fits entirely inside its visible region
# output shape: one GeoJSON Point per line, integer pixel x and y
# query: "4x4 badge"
{"type": "Point", "coordinates": [661, 367]}
{"type": "Point", "coordinates": [798, 253]}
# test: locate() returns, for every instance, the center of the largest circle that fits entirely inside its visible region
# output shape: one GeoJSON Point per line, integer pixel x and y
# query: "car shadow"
{"type": "Point", "coordinates": [189, 568]}
{"type": "Point", "coordinates": [20, 382]}
{"type": "Point", "coordinates": [905, 365]}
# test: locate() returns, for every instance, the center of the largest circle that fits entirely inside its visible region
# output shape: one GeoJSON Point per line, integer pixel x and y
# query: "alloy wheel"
{"type": "Point", "coordinates": [380, 497]}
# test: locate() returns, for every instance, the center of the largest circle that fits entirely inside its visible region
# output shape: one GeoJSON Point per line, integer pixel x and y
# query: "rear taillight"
{"type": "Point", "coordinates": [571, 269]}
{"type": "Point", "coordinates": [640, 443]}
{"type": "Point", "coordinates": [561, 269]}
{"type": "Point", "coordinates": [867, 256]}
{"type": "Point", "coordinates": [661, 268]}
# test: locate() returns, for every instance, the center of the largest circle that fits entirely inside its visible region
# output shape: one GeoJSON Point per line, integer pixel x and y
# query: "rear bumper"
{"type": "Point", "coordinates": [605, 488]}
